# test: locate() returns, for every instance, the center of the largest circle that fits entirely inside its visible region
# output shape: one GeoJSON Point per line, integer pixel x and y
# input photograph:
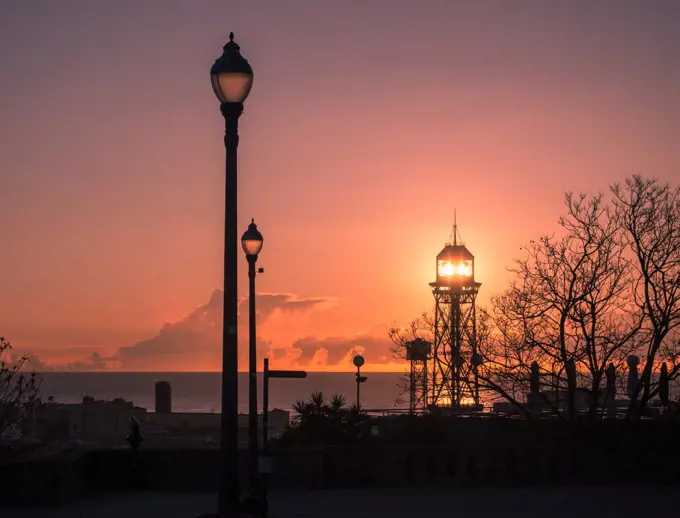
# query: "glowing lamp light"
{"type": "Point", "coordinates": [455, 267]}
{"type": "Point", "coordinates": [252, 241]}
{"type": "Point", "coordinates": [446, 269]}
{"type": "Point", "coordinates": [231, 75]}
{"type": "Point", "coordinates": [461, 269]}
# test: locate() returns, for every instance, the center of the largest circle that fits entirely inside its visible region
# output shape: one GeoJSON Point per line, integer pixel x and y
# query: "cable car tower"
{"type": "Point", "coordinates": [454, 360]}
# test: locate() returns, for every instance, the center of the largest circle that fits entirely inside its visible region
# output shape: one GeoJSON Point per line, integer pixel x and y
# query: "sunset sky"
{"type": "Point", "coordinates": [369, 121]}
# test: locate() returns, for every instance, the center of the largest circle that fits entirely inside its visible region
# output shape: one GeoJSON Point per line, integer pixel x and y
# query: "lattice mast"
{"type": "Point", "coordinates": [454, 359]}
{"type": "Point", "coordinates": [418, 353]}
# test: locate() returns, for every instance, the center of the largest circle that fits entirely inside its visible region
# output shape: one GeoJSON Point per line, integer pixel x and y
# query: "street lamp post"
{"type": "Point", "coordinates": [252, 245]}
{"type": "Point", "coordinates": [232, 78]}
{"type": "Point", "coordinates": [358, 361]}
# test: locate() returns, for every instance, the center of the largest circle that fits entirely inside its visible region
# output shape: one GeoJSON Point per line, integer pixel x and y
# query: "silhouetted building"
{"type": "Point", "coordinates": [163, 397]}
{"type": "Point", "coordinates": [91, 420]}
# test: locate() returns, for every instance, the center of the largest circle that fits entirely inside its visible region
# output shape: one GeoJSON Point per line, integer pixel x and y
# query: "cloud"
{"type": "Point", "coordinates": [33, 363]}
{"type": "Point", "coordinates": [196, 340]}
{"type": "Point", "coordinates": [96, 363]}
{"type": "Point", "coordinates": [269, 303]}
{"type": "Point", "coordinates": [338, 351]}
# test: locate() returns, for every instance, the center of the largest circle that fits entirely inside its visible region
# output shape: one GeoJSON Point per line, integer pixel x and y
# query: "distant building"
{"type": "Point", "coordinates": [106, 423]}
{"type": "Point", "coordinates": [91, 421]}
{"type": "Point", "coordinates": [163, 397]}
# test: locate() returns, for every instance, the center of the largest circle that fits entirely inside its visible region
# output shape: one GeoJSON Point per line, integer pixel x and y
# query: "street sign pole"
{"type": "Point", "coordinates": [265, 396]}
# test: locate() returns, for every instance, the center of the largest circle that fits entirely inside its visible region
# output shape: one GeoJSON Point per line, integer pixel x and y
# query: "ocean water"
{"type": "Point", "coordinates": [200, 392]}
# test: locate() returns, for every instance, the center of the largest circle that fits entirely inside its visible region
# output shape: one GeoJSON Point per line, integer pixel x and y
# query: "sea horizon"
{"type": "Point", "coordinates": [109, 371]}
{"type": "Point", "coordinates": [200, 391]}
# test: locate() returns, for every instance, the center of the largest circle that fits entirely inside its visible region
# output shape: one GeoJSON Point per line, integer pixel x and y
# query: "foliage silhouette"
{"type": "Point", "coordinates": [319, 421]}
{"type": "Point", "coordinates": [18, 390]}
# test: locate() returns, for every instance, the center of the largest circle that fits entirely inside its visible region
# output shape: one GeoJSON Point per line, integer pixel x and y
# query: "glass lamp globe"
{"type": "Point", "coordinates": [231, 75]}
{"type": "Point", "coordinates": [455, 266]}
{"type": "Point", "coordinates": [252, 240]}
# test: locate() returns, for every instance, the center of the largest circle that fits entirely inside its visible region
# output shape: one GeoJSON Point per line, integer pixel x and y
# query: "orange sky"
{"type": "Point", "coordinates": [366, 126]}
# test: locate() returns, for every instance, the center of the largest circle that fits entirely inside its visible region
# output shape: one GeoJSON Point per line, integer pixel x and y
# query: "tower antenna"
{"type": "Point", "coordinates": [454, 233]}
{"type": "Point", "coordinates": [455, 228]}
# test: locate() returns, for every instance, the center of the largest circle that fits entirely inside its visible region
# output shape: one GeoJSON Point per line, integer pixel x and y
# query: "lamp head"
{"type": "Point", "coordinates": [252, 241]}
{"type": "Point", "coordinates": [455, 266]}
{"type": "Point", "coordinates": [231, 75]}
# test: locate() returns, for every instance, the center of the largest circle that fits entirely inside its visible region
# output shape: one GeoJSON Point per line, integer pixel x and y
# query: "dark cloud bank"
{"type": "Point", "coordinates": [197, 340]}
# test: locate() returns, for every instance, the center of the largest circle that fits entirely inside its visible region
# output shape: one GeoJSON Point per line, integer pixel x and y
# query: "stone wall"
{"type": "Point", "coordinates": [509, 453]}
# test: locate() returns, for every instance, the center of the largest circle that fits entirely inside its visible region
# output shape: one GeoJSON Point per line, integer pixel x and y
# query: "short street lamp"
{"type": "Point", "coordinates": [358, 362]}
{"type": "Point", "coordinates": [231, 78]}
{"type": "Point", "coordinates": [252, 245]}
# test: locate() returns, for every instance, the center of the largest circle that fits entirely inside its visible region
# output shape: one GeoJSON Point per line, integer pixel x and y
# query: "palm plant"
{"type": "Point", "coordinates": [303, 410]}
{"type": "Point", "coordinates": [321, 421]}
{"type": "Point", "coordinates": [318, 403]}
{"type": "Point", "coordinates": [337, 406]}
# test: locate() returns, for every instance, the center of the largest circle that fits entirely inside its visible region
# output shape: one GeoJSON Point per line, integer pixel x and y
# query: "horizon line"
{"type": "Point", "coordinates": [210, 372]}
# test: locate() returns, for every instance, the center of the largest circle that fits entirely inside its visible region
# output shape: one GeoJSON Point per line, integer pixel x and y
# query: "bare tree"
{"type": "Point", "coordinates": [507, 356]}
{"type": "Point", "coordinates": [649, 214]}
{"type": "Point", "coordinates": [604, 287]}
{"type": "Point", "coordinates": [568, 301]}
{"type": "Point", "coordinates": [18, 390]}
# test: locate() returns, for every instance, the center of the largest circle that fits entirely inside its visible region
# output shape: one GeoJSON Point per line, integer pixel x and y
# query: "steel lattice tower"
{"type": "Point", "coordinates": [418, 353]}
{"type": "Point", "coordinates": [454, 360]}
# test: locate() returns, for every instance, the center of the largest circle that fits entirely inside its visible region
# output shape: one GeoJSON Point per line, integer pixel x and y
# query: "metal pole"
{"type": "Point", "coordinates": [358, 385]}
{"type": "Point", "coordinates": [474, 335]}
{"type": "Point", "coordinates": [252, 384]}
{"type": "Point", "coordinates": [229, 494]}
{"type": "Point", "coordinates": [265, 406]}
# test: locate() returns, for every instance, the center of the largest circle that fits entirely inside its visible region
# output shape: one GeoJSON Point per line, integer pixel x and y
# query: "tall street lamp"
{"type": "Point", "coordinates": [252, 245]}
{"type": "Point", "coordinates": [232, 78]}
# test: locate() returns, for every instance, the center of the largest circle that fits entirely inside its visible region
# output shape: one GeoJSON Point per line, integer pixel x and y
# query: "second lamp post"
{"type": "Point", "coordinates": [252, 245]}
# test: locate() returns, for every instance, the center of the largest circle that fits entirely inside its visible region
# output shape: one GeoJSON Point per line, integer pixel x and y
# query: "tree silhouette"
{"type": "Point", "coordinates": [649, 214]}
{"type": "Point", "coordinates": [604, 286]}
{"type": "Point", "coordinates": [568, 300]}
{"type": "Point", "coordinates": [18, 390]}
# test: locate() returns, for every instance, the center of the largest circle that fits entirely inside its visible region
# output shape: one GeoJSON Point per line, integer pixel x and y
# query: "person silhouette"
{"type": "Point", "coordinates": [135, 437]}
